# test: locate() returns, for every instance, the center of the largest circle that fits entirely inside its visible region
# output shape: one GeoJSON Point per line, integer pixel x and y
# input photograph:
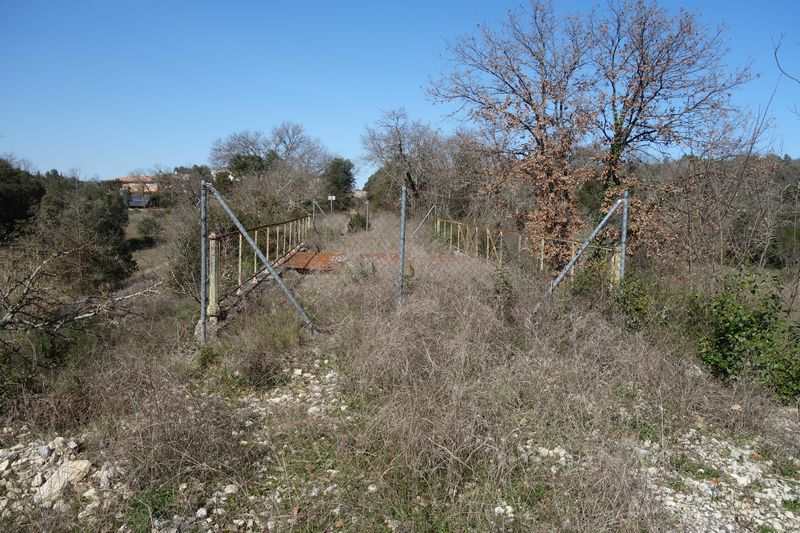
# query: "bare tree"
{"type": "Point", "coordinates": [776, 54]}
{"type": "Point", "coordinates": [790, 76]}
{"type": "Point", "coordinates": [247, 142]}
{"type": "Point", "coordinates": [661, 79]}
{"type": "Point", "coordinates": [32, 299]}
{"type": "Point", "coordinates": [527, 80]}
{"type": "Point", "coordinates": [292, 144]}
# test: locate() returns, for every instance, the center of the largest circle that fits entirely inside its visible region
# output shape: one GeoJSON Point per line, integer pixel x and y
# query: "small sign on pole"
{"type": "Point", "coordinates": [331, 198]}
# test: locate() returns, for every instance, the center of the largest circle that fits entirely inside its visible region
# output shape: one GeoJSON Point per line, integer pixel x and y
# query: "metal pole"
{"type": "Point", "coordinates": [583, 247]}
{"type": "Point", "coordinates": [401, 278]}
{"type": "Point", "coordinates": [272, 271]}
{"type": "Point", "coordinates": [203, 259]}
{"type": "Point", "coordinates": [623, 239]}
{"type": "Point", "coordinates": [423, 221]}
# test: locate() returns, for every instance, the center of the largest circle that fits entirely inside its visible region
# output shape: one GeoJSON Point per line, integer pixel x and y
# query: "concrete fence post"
{"type": "Point", "coordinates": [623, 238]}
{"type": "Point", "coordinates": [541, 255]}
{"type": "Point", "coordinates": [255, 257]}
{"type": "Point", "coordinates": [567, 269]}
{"type": "Point", "coordinates": [239, 278]}
{"type": "Point", "coordinates": [213, 276]}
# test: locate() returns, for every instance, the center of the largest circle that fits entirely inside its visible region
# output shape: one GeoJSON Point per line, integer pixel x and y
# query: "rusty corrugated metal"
{"type": "Point", "coordinates": [314, 261]}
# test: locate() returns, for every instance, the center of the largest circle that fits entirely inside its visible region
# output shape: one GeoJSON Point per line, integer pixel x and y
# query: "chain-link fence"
{"type": "Point", "coordinates": [406, 244]}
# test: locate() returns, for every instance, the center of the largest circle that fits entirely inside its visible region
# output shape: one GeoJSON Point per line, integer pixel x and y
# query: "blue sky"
{"type": "Point", "coordinates": [113, 86]}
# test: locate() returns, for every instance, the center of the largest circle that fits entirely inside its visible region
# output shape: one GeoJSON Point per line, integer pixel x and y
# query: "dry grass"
{"type": "Point", "coordinates": [454, 384]}
{"type": "Point", "coordinates": [451, 396]}
{"type": "Point", "coordinates": [132, 391]}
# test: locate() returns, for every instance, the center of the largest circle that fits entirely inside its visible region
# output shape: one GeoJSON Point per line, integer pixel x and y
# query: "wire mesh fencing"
{"type": "Point", "coordinates": [408, 248]}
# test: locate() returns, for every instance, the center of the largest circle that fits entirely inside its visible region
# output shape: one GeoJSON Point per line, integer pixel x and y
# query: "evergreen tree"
{"type": "Point", "coordinates": [340, 180]}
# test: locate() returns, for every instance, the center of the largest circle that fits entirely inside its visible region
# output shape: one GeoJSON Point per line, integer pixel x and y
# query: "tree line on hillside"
{"type": "Point", "coordinates": [82, 221]}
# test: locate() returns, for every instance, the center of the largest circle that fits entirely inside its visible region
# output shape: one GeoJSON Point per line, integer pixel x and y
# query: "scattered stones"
{"type": "Point", "coordinates": [69, 472]}
{"type": "Point", "coordinates": [201, 513]}
{"type": "Point", "coordinates": [45, 451]}
{"type": "Point", "coordinates": [714, 485]}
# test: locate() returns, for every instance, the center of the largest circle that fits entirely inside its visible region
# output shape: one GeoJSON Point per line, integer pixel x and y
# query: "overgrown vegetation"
{"type": "Point", "coordinates": [475, 404]}
{"type": "Point", "coordinates": [749, 332]}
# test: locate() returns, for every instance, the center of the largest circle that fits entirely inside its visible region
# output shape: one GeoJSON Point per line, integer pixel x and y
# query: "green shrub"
{"type": "Point", "coordinates": [747, 330]}
{"type": "Point", "coordinates": [742, 318]}
{"type": "Point", "coordinates": [780, 367]}
{"type": "Point", "coordinates": [86, 222]}
{"type": "Point", "coordinates": [589, 277]}
{"type": "Point", "coordinates": [147, 506]}
{"type": "Point", "coordinates": [207, 357]}
{"type": "Point", "coordinates": [149, 229]}
{"type": "Point", "coordinates": [356, 223]}
{"type": "Point", "coordinates": [635, 301]}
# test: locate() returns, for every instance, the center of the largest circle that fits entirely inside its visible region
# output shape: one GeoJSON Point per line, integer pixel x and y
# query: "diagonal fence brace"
{"type": "Point", "coordinates": [289, 296]}
{"type": "Point", "coordinates": [585, 244]}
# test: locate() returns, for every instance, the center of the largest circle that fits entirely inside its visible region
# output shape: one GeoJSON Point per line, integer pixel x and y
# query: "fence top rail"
{"type": "Point", "coordinates": [256, 228]}
{"type": "Point", "coordinates": [467, 224]}
{"type": "Point", "coordinates": [500, 230]}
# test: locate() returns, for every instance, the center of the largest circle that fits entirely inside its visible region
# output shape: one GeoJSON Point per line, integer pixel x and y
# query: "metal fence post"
{"type": "Point", "coordinates": [623, 238]}
{"type": "Point", "coordinates": [203, 258]}
{"type": "Point", "coordinates": [401, 277]}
